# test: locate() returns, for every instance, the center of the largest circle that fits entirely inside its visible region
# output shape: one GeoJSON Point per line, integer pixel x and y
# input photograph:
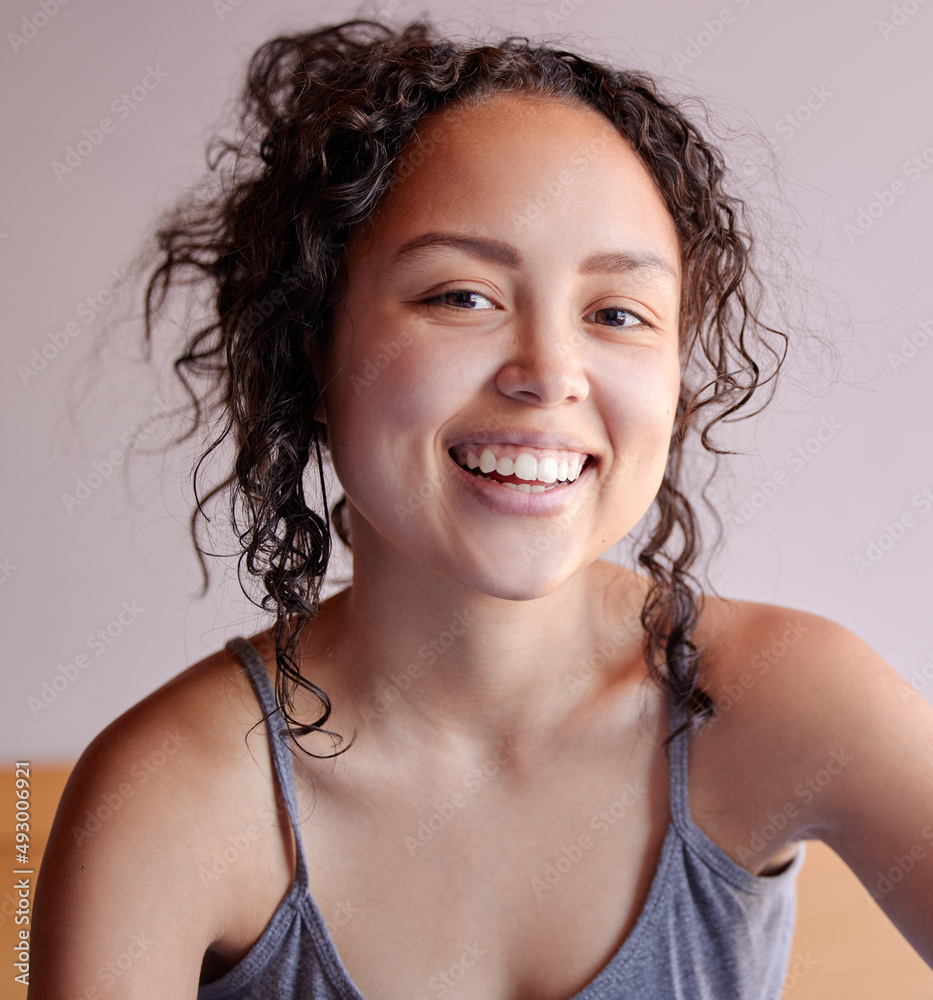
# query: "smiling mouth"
{"type": "Point", "coordinates": [523, 485]}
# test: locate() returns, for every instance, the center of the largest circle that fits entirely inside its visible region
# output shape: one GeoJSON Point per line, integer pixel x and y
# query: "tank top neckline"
{"type": "Point", "coordinates": [680, 828]}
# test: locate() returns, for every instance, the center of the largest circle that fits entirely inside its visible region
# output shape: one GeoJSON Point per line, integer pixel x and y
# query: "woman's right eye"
{"type": "Point", "coordinates": [459, 293]}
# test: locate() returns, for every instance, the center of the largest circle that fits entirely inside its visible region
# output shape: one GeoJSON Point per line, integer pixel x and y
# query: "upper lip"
{"type": "Point", "coordinates": [524, 436]}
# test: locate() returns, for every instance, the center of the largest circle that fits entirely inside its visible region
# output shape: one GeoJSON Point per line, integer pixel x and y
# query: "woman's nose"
{"type": "Point", "coordinates": [543, 362]}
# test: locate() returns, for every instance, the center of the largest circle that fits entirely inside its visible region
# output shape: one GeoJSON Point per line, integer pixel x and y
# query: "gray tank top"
{"type": "Point", "coordinates": [709, 928]}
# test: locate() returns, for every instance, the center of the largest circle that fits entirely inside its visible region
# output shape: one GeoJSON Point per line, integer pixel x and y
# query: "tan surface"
{"type": "Point", "coordinates": [845, 947]}
{"type": "Point", "coordinates": [45, 789]}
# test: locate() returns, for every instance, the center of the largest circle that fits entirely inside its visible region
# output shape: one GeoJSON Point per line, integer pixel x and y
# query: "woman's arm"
{"type": "Point", "coordinates": [120, 910]}
{"type": "Point", "coordinates": [851, 744]}
{"type": "Point", "coordinates": [878, 811]}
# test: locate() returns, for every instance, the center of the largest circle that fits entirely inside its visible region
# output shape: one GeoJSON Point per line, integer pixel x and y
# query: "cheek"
{"type": "Point", "coordinates": [413, 384]}
{"type": "Point", "coordinates": [411, 397]}
{"type": "Point", "coordinates": [387, 403]}
{"type": "Point", "coordinates": [642, 398]}
{"type": "Point", "coordinates": [640, 410]}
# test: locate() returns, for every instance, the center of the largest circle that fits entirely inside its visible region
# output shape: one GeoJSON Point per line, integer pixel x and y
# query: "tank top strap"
{"type": "Point", "coordinates": [679, 746]}
{"type": "Point", "coordinates": [278, 734]}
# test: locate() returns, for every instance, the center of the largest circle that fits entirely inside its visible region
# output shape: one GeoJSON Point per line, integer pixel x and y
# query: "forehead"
{"type": "Point", "coordinates": [523, 167]}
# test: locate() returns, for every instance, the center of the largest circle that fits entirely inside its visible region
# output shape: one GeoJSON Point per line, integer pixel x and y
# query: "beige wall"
{"type": "Point", "coordinates": [69, 570]}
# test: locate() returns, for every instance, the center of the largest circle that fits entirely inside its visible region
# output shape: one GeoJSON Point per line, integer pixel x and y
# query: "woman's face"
{"type": "Point", "coordinates": [516, 302]}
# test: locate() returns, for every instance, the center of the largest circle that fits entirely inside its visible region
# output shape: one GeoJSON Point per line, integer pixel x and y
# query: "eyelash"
{"type": "Point", "coordinates": [469, 291]}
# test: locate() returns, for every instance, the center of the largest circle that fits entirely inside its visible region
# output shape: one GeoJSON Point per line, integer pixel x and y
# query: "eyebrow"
{"type": "Point", "coordinates": [497, 252]}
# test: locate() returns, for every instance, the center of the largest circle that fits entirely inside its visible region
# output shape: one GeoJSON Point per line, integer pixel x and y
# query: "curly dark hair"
{"type": "Point", "coordinates": [323, 118]}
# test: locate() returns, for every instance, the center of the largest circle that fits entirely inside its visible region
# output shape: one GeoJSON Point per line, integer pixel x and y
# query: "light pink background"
{"type": "Point", "coordinates": [67, 574]}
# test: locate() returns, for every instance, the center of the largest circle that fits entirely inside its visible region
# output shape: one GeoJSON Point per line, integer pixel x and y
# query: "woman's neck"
{"type": "Point", "coordinates": [418, 658]}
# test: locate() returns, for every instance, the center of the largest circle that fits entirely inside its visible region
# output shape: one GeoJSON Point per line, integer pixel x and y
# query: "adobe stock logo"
{"type": "Point", "coordinates": [909, 346]}
{"type": "Point", "coordinates": [87, 312]}
{"type": "Point", "coordinates": [31, 26]}
{"type": "Point", "coordinates": [712, 29]}
{"type": "Point", "coordinates": [899, 15]}
{"type": "Point", "coordinates": [796, 460]}
{"type": "Point", "coordinates": [797, 118]}
{"type": "Point", "coordinates": [893, 531]}
{"type": "Point", "coordinates": [555, 188]}
{"type": "Point", "coordinates": [98, 642]}
{"type": "Point", "coordinates": [121, 108]}
{"type": "Point", "coordinates": [915, 168]}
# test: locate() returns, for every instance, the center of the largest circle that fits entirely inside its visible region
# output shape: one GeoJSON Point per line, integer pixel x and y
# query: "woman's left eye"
{"type": "Point", "coordinates": [633, 318]}
{"type": "Point", "coordinates": [459, 293]}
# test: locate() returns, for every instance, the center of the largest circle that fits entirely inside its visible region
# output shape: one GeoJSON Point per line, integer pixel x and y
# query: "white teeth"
{"type": "Point", "coordinates": [526, 466]}
{"type": "Point", "coordinates": [547, 470]}
{"type": "Point", "coordinates": [487, 461]}
{"type": "Point", "coordinates": [523, 487]}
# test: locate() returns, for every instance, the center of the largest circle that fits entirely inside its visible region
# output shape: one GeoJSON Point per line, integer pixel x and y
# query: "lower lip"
{"type": "Point", "coordinates": [507, 500]}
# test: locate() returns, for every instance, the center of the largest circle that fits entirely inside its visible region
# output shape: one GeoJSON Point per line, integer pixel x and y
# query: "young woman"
{"type": "Point", "coordinates": [499, 286]}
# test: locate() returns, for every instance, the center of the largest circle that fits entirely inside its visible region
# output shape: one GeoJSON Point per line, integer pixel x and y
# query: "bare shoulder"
{"type": "Point", "coordinates": [824, 739]}
{"type": "Point", "coordinates": [797, 683]}
{"type": "Point", "coordinates": [795, 691]}
{"type": "Point", "coordinates": [144, 838]}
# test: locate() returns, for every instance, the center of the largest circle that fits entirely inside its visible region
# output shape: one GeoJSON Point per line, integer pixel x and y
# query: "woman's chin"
{"type": "Point", "coordinates": [524, 576]}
